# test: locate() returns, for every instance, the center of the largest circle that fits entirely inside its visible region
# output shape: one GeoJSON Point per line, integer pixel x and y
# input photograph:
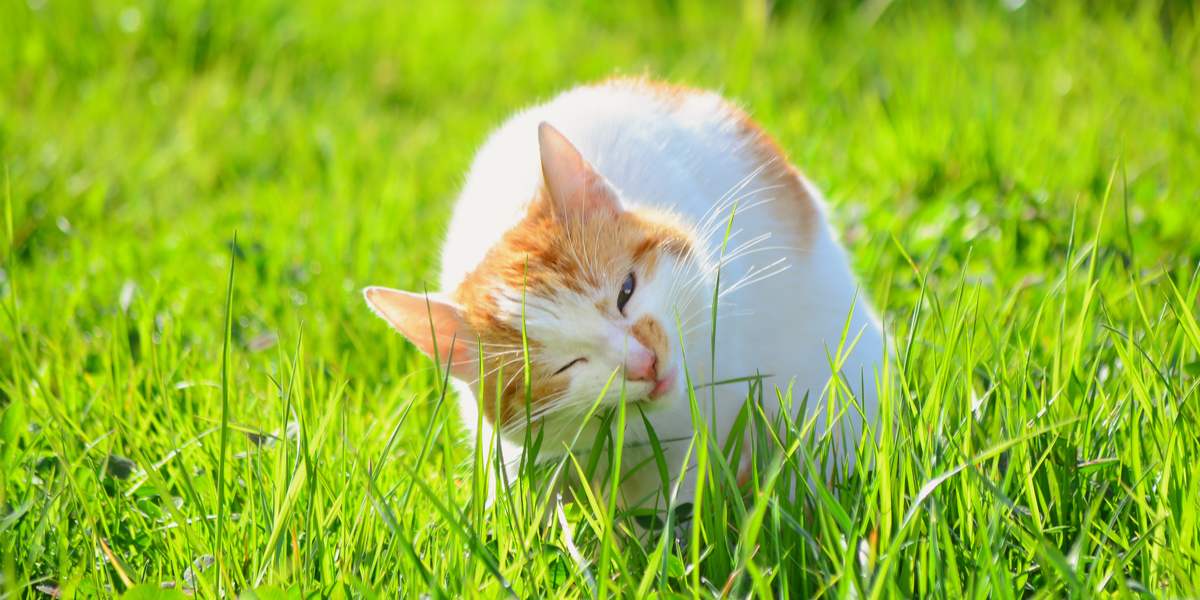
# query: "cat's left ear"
{"type": "Point", "coordinates": [434, 324]}
{"type": "Point", "coordinates": [576, 189]}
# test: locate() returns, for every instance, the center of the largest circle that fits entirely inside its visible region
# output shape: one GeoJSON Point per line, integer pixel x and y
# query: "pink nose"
{"type": "Point", "coordinates": [641, 364]}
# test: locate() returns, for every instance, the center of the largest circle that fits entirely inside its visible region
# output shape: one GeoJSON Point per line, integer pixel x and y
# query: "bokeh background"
{"type": "Point", "coordinates": [137, 137]}
{"type": "Point", "coordinates": [963, 146]}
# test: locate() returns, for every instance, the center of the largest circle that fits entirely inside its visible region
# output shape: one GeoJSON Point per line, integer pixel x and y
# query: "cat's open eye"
{"type": "Point", "coordinates": [626, 292]}
{"type": "Point", "coordinates": [571, 364]}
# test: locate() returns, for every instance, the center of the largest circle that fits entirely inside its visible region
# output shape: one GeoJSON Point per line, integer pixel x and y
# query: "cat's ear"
{"type": "Point", "coordinates": [428, 321]}
{"type": "Point", "coordinates": [576, 189]}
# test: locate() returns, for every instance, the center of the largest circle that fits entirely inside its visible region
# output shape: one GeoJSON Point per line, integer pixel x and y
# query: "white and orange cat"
{"type": "Point", "coordinates": [602, 219]}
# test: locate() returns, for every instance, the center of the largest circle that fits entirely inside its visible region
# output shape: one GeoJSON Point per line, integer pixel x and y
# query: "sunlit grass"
{"type": "Point", "coordinates": [1016, 188]}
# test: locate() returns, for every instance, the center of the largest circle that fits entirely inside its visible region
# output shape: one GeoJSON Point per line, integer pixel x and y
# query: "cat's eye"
{"type": "Point", "coordinates": [626, 292]}
{"type": "Point", "coordinates": [570, 364]}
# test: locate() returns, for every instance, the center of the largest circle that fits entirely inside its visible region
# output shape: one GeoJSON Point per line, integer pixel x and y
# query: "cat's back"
{"type": "Point", "coordinates": [661, 145]}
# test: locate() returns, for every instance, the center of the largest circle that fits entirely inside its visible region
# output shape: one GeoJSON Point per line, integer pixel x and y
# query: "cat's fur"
{"type": "Point", "coordinates": [629, 175]}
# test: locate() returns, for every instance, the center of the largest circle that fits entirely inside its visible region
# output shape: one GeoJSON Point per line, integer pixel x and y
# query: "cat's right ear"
{"type": "Point", "coordinates": [576, 189]}
{"type": "Point", "coordinates": [432, 323]}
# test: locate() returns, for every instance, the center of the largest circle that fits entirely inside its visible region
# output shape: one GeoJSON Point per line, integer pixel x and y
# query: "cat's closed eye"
{"type": "Point", "coordinates": [626, 292]}
{"type": "Point", "coordinates": [570, 364]}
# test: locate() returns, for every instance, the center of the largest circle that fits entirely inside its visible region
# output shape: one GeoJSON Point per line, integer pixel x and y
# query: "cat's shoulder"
{"type": "Point", "coordinates": [724, 118]}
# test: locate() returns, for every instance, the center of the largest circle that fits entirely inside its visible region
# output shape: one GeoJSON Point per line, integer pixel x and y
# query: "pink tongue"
{"type": "Point", "coordinates": [660, 387]}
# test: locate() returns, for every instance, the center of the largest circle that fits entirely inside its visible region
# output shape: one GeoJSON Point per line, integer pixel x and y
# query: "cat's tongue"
{"type": "Point", "coordinates": [663, 385]}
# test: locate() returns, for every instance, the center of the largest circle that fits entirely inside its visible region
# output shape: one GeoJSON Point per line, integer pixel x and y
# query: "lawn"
{"type": "Point", "coordinates": [1017, 185]}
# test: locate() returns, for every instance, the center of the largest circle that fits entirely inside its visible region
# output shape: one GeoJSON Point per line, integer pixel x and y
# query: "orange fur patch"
{"type": "Point", "coordinates": [503, 398]}
{"type": "Point", "coordinates": [651, 334]}
{"type": "Point", "coordinates": [796, 206]}
{"type": "Point", "coordinates": [543, 256]}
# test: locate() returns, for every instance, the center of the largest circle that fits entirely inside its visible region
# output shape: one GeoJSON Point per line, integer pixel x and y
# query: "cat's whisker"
{"type": "Point", "coordinates": [721, 226]}
{"type": "Point", "coordinates": [507, 363]}
{"type": "Point", "coordinates": [551, 407]}
{"type": "Point", "coordinates": [726, 256]}
{"type": "Point", "coordinates": [546, 406]}
{"type": "Point", "coordinates": [742, 245]}
{"type": "Point", "coordinates": [493, 354]}
{"type": "Point", "coordinates": [734, 207]}
{"type": "Point", "coordinates": [513, 378]}
{"type": "Point", "coordinates": [493, 370]}
{"type": "Point", "coordinates": [704, 312]}
{"type": "Point", "coordinates": [752, 251]}
{"type": "Point", "coordinates": [721, 317]}
{"type": "Point", "coordinates": [758, 276]}
{"type": "Point", "coordinates": [508, 360]}
{"type": "Point", "coordinates": [497, 344]}
{"type": "Point", "coordinates": [707, 257]}
{"type": "Point", "coordinates": [715, 249]}
{"type": "Point", "coordinates": [693, 283]}
{"type": "Point", "coordinates": [726, 198]}
{"type": "Point", "coordinates": [747, 248]}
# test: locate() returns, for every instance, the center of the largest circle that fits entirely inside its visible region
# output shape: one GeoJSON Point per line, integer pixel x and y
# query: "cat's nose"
{"type": "Point", "coordinates": [641, 364]}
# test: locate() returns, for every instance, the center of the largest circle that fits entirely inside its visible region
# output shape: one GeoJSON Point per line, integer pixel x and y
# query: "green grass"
{"type": "Point", "coordinates": [1018, 189]}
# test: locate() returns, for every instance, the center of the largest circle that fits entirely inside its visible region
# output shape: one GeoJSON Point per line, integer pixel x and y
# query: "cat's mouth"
{"type": "Point", "coordinates": [663, 385]}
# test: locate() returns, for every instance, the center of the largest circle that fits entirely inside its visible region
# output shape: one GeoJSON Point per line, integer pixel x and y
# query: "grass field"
{"type": "Point", "coordinates": [1018, 187]}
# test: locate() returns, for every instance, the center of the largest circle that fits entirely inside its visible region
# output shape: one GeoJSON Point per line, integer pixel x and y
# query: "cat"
{"type": "Point", "coordinates": [594, 229]}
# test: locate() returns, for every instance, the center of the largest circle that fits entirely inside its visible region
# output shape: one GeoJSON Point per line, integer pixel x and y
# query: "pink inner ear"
{"type": "Point", "coordinates": [429, 321]}
{"type": "Point", "coordinates": [575, 188]}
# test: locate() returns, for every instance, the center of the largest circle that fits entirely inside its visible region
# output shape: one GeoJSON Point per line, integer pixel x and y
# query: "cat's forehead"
{"type": "Point", "coordinates": [546, 259]}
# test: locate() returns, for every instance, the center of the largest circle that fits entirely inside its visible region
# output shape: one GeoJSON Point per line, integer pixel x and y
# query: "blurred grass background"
{"type": "Point", "coordinates": [979, 138]}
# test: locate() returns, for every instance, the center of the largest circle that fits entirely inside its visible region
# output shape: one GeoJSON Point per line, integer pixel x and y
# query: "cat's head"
{"type": "Point", "coordinates": [597, 288]}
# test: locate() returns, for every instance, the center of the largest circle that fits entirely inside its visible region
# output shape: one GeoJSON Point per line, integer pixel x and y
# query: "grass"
{"type": "Point", "coordinates": [1016, 187]}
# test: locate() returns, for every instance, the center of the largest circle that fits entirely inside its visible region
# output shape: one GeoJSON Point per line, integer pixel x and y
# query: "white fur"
{"type": "Point", "coordinates": [684, 157]}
